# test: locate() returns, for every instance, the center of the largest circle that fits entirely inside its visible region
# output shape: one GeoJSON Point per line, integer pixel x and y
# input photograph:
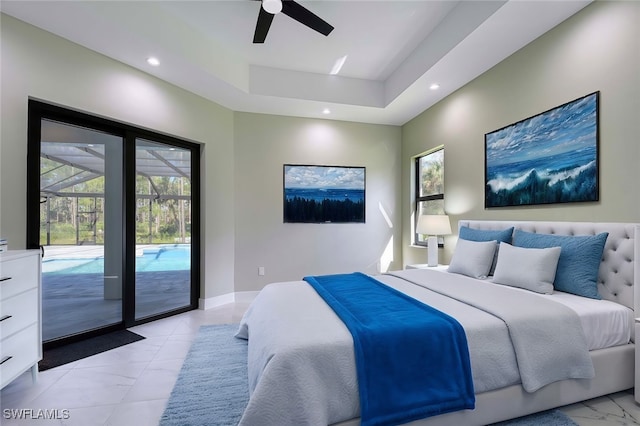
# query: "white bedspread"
{"type": "Point", "coordinates": [301, 363]}
{"type": "Point", "coordinates": [605, 323]}
{"type": "Point", "coordinates": [547, 336]}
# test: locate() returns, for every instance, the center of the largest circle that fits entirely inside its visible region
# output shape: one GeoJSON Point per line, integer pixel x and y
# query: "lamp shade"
{"type": "Point", "coordinates": [433, 224]}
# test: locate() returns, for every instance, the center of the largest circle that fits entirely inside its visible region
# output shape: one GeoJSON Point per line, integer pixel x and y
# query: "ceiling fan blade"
{"type": "Point", "coordinates": [305, 17]}
{"type": "Point", "coordinates": [262, 26]}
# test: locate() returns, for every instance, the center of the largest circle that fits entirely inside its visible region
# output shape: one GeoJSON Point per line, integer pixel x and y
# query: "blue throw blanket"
{"type": "Point", "coordinates": [412, 360]}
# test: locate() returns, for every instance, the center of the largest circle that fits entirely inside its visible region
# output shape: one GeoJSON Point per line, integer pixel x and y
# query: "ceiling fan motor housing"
{"type": "Point", "coordinates": [293, 10]}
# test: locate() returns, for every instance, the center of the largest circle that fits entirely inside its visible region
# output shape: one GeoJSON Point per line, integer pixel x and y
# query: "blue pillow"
{"type": "Point", "coordinates": [472, 234]}
{"type": "Point", "coordinates": [579, 262]}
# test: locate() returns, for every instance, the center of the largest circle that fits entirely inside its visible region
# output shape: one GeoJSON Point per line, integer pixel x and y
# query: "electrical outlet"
{"type": "Point", "coordinates": [261, 270]}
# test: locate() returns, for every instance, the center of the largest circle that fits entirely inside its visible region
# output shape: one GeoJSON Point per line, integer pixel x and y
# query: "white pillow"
{"type": "Point", "coordinates": [529, 268]}
{"type": "Point", "coordinates": [473, 258]}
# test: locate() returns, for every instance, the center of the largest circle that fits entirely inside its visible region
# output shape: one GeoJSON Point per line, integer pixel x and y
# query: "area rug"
{"type": "Point", "coordinates": [545, 418]}
{"type": "Point", "coordinates": [75, 351]}
{"type": "Point", "coordinates": [212, 388]}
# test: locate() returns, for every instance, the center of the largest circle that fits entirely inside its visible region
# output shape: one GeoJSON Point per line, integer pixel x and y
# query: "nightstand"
{"type": "Point", "coordinates": [637, 341]}
{"type": "Point", "coordinates": [440, 267]}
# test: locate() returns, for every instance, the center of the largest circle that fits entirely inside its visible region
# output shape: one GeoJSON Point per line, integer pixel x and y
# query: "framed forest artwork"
{"type": "Point", "coordinates": [551, 157]}
{"type": "Point", "coordinates": [324, 194]}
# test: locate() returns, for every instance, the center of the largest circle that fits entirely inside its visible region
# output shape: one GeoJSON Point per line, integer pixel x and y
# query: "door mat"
{"type": "Point", "coordinates": [75, 351]}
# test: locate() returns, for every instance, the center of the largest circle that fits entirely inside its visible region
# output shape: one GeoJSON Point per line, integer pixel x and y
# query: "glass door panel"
{"type": "Point", "coordinates": [163, 228]}
{"type": "Point", "coordinates": [80, 229]}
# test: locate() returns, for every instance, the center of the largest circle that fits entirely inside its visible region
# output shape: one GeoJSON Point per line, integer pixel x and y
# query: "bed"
{"type": "Point", "coordinates": [301, 355]}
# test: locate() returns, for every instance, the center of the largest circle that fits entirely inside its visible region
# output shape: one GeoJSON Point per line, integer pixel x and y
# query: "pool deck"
{"type": "Point", "coordinates": [71, 305]}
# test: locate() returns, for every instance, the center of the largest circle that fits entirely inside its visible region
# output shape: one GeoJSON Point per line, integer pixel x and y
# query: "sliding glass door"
{"type": "Point", "coordinates": [116, 212]}
{"type": "Point", "coordinates": [163, 227]}
{"type": "Point", "coordinates": [80, 223]}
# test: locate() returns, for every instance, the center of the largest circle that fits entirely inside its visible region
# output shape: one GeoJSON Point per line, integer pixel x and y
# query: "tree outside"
{"type": "Point", "coordinates": [75, 216]}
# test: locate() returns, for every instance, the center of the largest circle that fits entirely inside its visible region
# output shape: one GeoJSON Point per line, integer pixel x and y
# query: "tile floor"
{"type": "Point", "coordinates": [131, 385]}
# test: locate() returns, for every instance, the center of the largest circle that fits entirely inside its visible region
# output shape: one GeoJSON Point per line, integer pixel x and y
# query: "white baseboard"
{"type": "Point", "coordinates": [245, 296]}
{"type": "Point", "coordinates": [225, 299]}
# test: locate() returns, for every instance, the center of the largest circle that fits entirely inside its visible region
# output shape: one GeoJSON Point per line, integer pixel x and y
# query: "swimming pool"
{"type": "Point", "coordinates": [172, 257]}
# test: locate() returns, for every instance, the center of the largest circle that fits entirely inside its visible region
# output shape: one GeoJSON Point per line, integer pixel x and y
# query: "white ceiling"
{"type": "Point", "coordinates": [394, 49]}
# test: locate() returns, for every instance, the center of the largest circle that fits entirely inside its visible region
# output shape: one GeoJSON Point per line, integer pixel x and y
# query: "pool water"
{"type": "Point", "coordinates": [162, 258]}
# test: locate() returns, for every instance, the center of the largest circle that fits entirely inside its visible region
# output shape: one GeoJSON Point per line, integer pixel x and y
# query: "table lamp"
{"type": "Point", "coordinates": [433, 225]}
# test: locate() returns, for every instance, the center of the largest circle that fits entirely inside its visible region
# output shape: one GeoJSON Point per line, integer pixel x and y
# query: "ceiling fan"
{"type": "Point", "coordinates": [293, 10]}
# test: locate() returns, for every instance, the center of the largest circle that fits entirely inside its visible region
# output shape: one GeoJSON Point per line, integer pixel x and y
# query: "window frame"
{"type": "Point", "coordinates": [425, 198]}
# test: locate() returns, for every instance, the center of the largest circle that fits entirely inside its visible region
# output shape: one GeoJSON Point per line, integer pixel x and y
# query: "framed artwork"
{"type": "Point", "coordinates": [324, 194]}
{"type": "Point", "coordinates": [549, 158]}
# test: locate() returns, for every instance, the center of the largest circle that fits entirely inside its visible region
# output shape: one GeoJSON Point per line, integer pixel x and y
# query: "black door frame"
{"type": "Point", "coordinates": [38, 110]}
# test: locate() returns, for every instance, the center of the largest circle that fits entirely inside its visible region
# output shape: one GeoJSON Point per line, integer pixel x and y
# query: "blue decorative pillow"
{"type": "Point", "coordinates": [472, 234]}
{"type": "Point", "coordinates": [579, 262]}
{"type": "Point", "coordinates": [501, 236]}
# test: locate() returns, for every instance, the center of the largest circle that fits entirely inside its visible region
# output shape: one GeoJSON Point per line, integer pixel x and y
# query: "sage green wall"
{"type": "Point", "coordinates": [242, 220]}
{"type": "Point", "coordinates": [37, 64]}
{"type": "Point", "coordinates": [597, 49]}
{"type": "Point", "coordinates": [243, 154]}
{"type": "Point", "coordinates": [289, 251]}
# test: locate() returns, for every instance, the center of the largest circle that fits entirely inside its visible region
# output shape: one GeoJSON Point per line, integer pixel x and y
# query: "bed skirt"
{"type": "Point", "coordinates": [614, 369]}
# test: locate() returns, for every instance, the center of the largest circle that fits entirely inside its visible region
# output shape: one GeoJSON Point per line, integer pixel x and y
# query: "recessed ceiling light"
{"type": "Point", "coordinates": [153, 61]}
{"type": "Point", "coordinates": [326, 111]}
{"type": "Point", "coordinates": [434, 86]}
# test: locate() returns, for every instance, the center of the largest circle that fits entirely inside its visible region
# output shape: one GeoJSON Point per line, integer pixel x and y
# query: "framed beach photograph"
{"type": "Point", "coordinates": [324, 194]}
{"type": "Point", "coordinates": [549, 158]}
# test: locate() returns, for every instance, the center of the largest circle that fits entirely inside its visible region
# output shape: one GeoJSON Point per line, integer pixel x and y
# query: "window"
{"type": "Point", "coordinates": [429, 186]}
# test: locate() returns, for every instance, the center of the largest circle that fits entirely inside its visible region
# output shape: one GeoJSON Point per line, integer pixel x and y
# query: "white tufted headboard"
{"type": "Point", "coordinates": [620, 266]}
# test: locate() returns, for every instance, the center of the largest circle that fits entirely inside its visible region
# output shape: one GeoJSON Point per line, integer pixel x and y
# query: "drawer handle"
{"type": "Point", "coordinates": [5, 279]}
{"type": "Point", "coordinates": [6, 317]}
{"type": "Point", "coordinates": [5, 359]}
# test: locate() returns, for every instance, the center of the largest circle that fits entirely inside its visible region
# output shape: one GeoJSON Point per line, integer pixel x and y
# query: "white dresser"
{"type": "Point", "coordinates": [20, 314]}
{"type": "Point", "coordinates": [637, 372]}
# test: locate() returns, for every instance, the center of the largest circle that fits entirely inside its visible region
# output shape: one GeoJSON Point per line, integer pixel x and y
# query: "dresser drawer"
{"type": "Point", "coordinates": [20, 354]}
{"type": "Point", "coordinates": [18, 275]}
{"type": "Point", "coordinates": [17, 312]}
